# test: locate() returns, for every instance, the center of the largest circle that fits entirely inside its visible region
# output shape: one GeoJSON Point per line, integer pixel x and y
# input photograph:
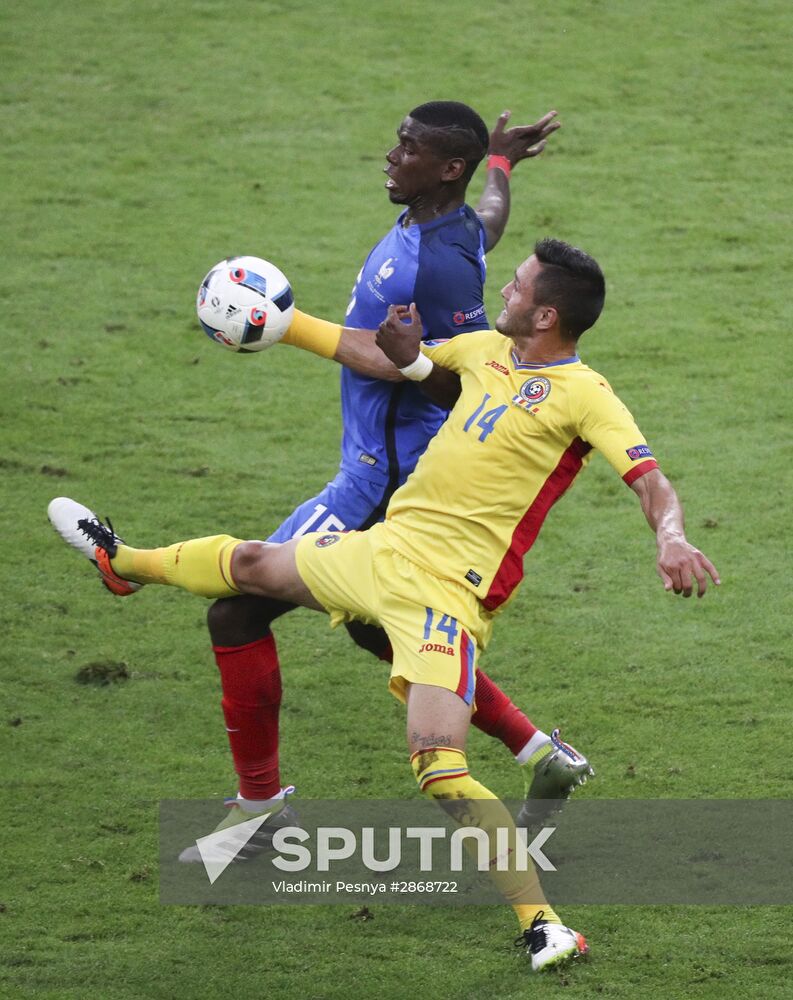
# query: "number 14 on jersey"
{"type": "Point", "coordinates": [484, 420]}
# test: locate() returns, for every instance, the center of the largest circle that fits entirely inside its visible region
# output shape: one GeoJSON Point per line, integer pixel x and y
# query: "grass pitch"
{"type": "Point", "coordinates": [142, 142]}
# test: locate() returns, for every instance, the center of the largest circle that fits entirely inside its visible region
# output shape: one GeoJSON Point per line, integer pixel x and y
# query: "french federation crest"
{"type": "Point", "coordinates": [533, 391]}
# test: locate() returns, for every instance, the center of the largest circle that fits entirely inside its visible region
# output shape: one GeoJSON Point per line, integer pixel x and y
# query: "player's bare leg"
{"type": "Point", "coordinates": [269, 569]}
{"type": "Point", "coordinates": [437, 726]}
{"type": "Point", "coordinates": [551, 769]}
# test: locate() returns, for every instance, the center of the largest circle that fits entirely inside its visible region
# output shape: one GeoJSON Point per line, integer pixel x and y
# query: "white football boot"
{"type": "Point", "coordinates": [79, 527]}
{"type": "Point", "coordinates": [550, 944]}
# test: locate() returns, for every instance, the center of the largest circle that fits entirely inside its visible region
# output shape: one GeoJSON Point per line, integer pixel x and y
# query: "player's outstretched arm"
{"type": "Point", "coordinates": [679, 564]}
{"type": "Point", "coordinates": [399, 337]}
{"type": "Point", "coordinates": [358, 350]}
{"type": "Point", "coordinates": [361, 351]}
{"type": "Point", "coordinates": [508, 146]}
{"type": "Point", "coordinates": [348, 346]}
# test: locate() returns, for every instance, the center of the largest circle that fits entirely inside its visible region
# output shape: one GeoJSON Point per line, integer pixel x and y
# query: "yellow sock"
{"type": "Point", "coordinates": [442, 774]}
{"type": "Point", "coordinates": [312, 334]}
{"type": "Point", "coordinates": [200, 565]}
{"type": "Point", "coordinates": [526, 914]}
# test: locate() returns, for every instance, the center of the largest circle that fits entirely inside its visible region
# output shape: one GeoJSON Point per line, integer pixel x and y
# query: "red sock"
{"type": "Point", "coordinates": [250, 677]}
{"type": "Point", "coordinates": [497, 716]}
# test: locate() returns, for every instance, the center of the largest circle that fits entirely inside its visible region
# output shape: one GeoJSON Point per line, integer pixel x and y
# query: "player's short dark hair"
{"type": "Point", "coordinates": [457, 130]}
{"type": "Point", "coordinates": [571, 281]}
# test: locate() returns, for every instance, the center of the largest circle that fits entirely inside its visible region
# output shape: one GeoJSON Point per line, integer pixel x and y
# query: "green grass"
{"type": "Point", "coordinates": [144, 141]}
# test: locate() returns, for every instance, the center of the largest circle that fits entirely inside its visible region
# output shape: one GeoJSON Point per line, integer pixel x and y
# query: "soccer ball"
{"type": "Point", "coordinates": [245, 304]}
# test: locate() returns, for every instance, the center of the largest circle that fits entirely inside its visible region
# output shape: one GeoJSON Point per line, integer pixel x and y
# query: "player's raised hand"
{"type": "Point", "coordinates": [521, 141]}
{"type": "Point", "coordinates": [399, 335]}
{"type": "Point", "coordinates": [680, 565]}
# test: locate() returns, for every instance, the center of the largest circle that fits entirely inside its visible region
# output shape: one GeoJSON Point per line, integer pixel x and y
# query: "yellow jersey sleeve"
{"type": "Point", "coordinates": [607, 424]}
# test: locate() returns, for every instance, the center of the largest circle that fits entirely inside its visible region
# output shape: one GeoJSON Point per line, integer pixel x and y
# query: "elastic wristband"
{"type": "Point", "coordinates": [419, 369]}
{"type": "Point", "coordinates": [312, 334]}
{"type": "Point", "coordinates": [495, 162]}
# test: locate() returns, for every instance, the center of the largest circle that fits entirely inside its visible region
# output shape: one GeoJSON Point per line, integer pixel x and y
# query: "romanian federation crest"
{"type": "Point", "coordinates": [533, 391]}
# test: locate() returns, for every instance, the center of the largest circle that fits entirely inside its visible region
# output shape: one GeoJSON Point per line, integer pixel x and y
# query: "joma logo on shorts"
{"type": "Point", "coordinates": [437, 647]}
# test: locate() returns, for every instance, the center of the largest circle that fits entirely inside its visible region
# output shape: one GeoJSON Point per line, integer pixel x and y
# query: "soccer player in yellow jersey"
{"type": "Point", "coordinates": [449, 555]}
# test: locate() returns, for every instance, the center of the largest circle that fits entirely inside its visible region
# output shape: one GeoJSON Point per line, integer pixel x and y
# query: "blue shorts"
{"type": "Point", "coordinates": [346, 504]}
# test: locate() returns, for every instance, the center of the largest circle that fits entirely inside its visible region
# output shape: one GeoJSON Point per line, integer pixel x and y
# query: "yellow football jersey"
{"type": "Point", "coordinates": [514, 442]}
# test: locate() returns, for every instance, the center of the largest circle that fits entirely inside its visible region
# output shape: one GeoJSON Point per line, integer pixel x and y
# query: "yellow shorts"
{"type": "Point", "coordinates": [436, 627]}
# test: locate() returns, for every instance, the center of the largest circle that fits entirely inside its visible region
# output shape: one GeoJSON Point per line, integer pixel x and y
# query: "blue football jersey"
{"type": "Point", "coordinates": [439, 265]}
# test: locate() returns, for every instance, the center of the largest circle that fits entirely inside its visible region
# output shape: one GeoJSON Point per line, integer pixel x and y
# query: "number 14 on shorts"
{"type": "Point", "coordinates": [459, 670]}
{"type": "Point", "coordinates": [440, 623]}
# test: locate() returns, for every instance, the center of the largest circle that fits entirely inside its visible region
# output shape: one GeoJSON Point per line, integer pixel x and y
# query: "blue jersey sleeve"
{"type": "Point", "coordinates": [450, 278]}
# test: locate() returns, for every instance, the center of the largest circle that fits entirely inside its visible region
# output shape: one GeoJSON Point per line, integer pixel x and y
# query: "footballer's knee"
{"type": "Point", "coordinates": [250, 567]}
{"type": "Point", "coordinates": [269, 569]}
{"type": "Point", "coordinates": [236, 621]}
